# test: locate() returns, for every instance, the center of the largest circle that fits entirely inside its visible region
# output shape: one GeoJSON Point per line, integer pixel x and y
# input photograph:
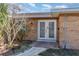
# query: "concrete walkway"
{"type": "Point", "coordinates": [34, 51]}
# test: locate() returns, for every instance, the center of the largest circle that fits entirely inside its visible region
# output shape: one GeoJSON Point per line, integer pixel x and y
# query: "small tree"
{"type": "Point", "coordinates": [9, 25]}
{"type": "Point", "coordinates": [13, 26]}
{"type": "Point", "coordinates": [12, 30]}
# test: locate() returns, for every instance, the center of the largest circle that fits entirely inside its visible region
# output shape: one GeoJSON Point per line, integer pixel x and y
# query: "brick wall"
{"type": "Point", "coordinates": [71, 36]}
{"type": "Point", "coordinates": [32, 29]}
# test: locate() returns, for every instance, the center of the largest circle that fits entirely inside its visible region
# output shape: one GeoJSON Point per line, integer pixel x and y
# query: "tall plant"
{"type": "Point", "coordinates": [7, 24]}
{"type": "Point", "coordinates": [13, 25]}
{"type": "Point", "coordinates": [3, 18]}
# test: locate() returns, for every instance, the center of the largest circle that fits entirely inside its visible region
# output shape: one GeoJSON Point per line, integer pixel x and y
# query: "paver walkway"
{"type": "Point", "coordinates": [44, 44]}
{"type": "Point", "coordinates": [34, 51]}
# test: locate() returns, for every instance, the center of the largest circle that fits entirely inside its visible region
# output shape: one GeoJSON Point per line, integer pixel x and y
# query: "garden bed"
{"type": "Point", "coordinates": [60, 52]}
{"type": "Point", "coordinates": [24, 45]}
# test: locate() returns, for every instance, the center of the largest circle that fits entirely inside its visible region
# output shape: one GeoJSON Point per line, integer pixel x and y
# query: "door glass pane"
{"type": "Point", "coordinates": [42, 29]}
{"type": "Point", "coordinates": [51, 29]}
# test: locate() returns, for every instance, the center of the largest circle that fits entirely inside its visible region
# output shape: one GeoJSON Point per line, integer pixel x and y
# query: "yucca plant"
{"type": "Point", "coordinates": [3, 19]}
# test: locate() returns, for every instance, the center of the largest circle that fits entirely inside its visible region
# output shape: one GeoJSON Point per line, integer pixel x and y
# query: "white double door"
{"type": "Point", "coordinates": [47, 30]}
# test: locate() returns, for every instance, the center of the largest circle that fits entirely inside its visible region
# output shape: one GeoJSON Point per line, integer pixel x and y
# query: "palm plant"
{"type": "Point", "coordinates": [3, 18]}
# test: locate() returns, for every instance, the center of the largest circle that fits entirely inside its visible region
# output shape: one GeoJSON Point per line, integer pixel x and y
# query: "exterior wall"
{"type": "Point", "coordinates": [31, 34]}
{"type": "Point", "coordinates": [69, 33]}
{"type": "Point", "coordinates": [32, 23]}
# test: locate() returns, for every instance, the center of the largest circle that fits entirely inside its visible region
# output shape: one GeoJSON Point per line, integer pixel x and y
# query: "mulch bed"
{"type": "Point", "coordinates": [60, 52]}
{"type": "Point", "coordinates": [15, 50]}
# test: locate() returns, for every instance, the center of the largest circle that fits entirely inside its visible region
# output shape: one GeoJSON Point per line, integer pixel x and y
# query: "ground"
{"type": "Point", "coordinates": [24, 45]}
{"type": "Point", "coordinates": [60, 52]}
{"type": "Point", "coordinates": [34, 51]}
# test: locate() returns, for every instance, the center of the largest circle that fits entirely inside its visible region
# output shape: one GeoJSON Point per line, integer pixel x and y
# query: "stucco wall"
{"type": "Point", "coordinates": [69, 33]}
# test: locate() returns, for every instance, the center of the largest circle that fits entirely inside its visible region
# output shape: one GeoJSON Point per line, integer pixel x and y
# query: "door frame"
{"type": "Point", "coordinates": [55, 29]}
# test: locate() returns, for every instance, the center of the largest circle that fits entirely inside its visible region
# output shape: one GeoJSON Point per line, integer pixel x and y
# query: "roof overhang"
{"type": "Point", "coordinates": [35, 15]}
{"type": "Point", "coordinates": [56, 13]}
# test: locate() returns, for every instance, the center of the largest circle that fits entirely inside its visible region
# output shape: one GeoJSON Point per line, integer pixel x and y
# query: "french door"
{"type": "Point", "coordinates": [47, 30]}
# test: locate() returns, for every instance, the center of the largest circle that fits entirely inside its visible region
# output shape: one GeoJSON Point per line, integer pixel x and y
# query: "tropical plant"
{"type": "Point", "coordinates": [9, 25]}
{"type": "Point", "coordinates": [3, 19]}
{"type": "Point", "coordinates": [13, 25]}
